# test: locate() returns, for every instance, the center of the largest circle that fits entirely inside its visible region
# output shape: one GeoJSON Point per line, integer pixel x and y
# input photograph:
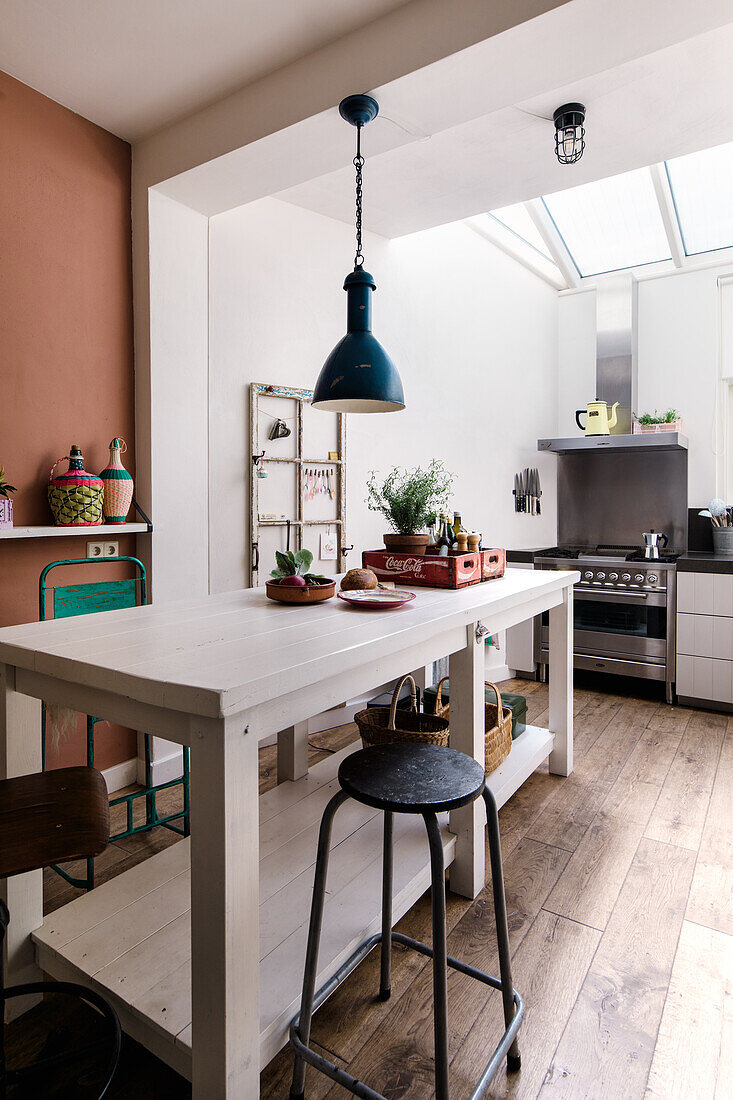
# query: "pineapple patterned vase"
{"type": "Point", "coordinates": [118, 485]}
{"type": "Point", "coordinates": [75, 497]}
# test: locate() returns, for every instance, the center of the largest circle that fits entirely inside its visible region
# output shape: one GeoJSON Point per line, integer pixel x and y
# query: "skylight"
{"type": "Point", "coordinates": [702, 187]}
{"type": "Point", "coordinates": [517, 219]}
{"type": "Point", "coordinates": [610, 224]}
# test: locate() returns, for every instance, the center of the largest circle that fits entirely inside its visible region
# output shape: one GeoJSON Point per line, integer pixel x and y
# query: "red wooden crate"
{"type": "Point", "coordinates": [493, 564]}
{"type": "Point", "coordinates": [427, 570]}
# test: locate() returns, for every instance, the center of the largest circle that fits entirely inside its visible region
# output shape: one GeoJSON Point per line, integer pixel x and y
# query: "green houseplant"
{"type": "Point", "coordinates": [408, 499]}
{"type": "Point", "coordinates": [668, 421]}
{"type": "Point", "coordinates": [6, 502]}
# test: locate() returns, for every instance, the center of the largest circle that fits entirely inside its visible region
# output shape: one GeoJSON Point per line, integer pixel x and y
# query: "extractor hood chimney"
{"type": "Point", "coordinates": [616, 347]}
{"type": "Point", "coordinates": [616, 375]}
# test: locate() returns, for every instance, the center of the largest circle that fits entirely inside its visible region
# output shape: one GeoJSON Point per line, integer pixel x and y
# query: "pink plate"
{"type": "Point", "coordinates": [381, 599]}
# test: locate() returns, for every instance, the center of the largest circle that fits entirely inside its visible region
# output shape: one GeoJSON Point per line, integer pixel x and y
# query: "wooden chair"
{"type": "Point", "coordinates": [44, 818]}
{"type": "Point", "coordinates": [85, 599]}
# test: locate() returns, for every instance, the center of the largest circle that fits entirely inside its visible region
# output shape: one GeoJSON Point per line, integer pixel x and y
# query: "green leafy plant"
{"type": "Point", "coordinates": [296, 564]}
{"type": "Point", "coordinates": [667, 417]}
{"type": "Point", "coordinates": [409, 498]}
{"type": "Point", "coordinates": [5, 488]}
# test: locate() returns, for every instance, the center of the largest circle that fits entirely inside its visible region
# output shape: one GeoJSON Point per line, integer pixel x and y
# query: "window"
{"type": "Point", "coordinates": [702, 189]}
{"type": "Point", "coordinates": [610, 224]}
{"type": "Point", "coordinates": [517, 218]}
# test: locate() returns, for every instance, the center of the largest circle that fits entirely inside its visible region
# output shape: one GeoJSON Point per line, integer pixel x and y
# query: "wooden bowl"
{"type": "Point", "coordinates": [312, 593]}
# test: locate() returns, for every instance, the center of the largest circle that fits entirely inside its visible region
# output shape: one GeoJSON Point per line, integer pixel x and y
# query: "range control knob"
{"type": "Point", "coordinates": [639, 578]}
{"type": "Point", "coordinates": [652, 578]}
{"type": "Point", "coordinates": [588, 575]}
{"type": "Point", "coordinates": [613, 576]}
{"type": "Point", "coordinates": [626, 577]}
{"type": "Point", "coordinates": [601, 576]}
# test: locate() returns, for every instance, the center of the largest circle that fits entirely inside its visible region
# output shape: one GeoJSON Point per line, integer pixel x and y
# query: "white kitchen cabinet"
{"type": "Point", "coordinates": [705, 637]}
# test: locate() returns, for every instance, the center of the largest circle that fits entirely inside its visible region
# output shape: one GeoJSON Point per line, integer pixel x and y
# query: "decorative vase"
{"type": "Point", "coordinates": [406, 544]}
{"type": "Point", "coordinates": [75, 498]}
{"type": "Point", "coordinates": [118, 484]}
{"type": "Point", "coordinates": [6, 513]}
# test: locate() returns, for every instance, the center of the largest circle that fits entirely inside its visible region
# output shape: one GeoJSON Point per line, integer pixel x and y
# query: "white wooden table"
{"type": "Point", "coordinates": [203, 959]}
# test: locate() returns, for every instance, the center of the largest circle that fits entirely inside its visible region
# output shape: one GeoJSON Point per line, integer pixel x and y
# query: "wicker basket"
{"type": "Point", "coordinates": [378, 725]}
{"type": "Point", "coordinates": [498, 727]}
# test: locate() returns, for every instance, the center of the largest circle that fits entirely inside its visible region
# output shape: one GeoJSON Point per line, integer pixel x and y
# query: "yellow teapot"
{"type": "Point", "coordinates": [598, 419]}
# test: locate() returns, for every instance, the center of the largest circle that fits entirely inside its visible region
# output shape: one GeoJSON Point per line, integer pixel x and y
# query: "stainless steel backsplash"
{"type": "Point", "coordinates": [608, 498]}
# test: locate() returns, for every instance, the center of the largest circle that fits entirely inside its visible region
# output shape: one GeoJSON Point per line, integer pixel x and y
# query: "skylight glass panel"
{"type": "Point", "coordinates": [702, 187]}
{"type": "Point", "coordinates": [517, 219]}
{"type": "Point", "coordinates": [611, 224]}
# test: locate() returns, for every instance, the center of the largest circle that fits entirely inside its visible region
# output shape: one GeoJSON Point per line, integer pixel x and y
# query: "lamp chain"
{"type": "Point", "coordinates": [358, 164]}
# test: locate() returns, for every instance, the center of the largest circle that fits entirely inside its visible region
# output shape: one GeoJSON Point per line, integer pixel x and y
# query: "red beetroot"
{"type": "Point", "coordinates": [292, 582]}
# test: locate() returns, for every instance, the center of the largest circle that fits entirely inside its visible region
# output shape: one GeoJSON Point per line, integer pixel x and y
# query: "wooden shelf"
{"type": "Point", "coordinates": [51, 532]}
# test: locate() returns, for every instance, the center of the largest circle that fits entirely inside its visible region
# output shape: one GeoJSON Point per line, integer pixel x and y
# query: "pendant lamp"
{"type": "Point", "coordinates": [358, 375]}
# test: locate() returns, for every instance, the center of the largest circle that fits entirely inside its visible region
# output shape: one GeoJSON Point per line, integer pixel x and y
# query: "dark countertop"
{"type": "Point", "coordinates": [519, 556]}
{"type": "Point", "coordinates": [702, 561]}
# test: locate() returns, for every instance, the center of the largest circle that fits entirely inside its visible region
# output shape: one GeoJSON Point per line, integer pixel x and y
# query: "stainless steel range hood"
{"type": "Point", "coordinates": [616, 376]}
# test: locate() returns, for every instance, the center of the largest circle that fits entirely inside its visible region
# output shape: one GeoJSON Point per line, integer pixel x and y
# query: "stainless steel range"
{"type": "Point", "coordinates": [624, 611]}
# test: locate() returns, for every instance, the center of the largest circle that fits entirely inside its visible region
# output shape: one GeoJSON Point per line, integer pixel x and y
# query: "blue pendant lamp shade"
{"type": "Point", "coordinates": [359, 375]}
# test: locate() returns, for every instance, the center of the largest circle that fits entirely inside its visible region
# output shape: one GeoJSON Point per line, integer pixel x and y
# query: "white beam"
{"type": "Point", "coordinates": [519, 250]}
{"type": "Point", "coordinates": [663, 192]}
{"type": "Point", "coordinates": [558, 249]}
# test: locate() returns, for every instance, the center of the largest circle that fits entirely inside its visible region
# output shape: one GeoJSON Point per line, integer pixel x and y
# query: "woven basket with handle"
{"type": "Point", "coordinates": [385, 725]}
{"type": "Point", "coordinates": [498, 726]}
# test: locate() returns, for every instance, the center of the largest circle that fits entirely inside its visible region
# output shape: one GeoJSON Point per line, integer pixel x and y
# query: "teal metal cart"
{"type": "Point", "coordinates": [86, 599]}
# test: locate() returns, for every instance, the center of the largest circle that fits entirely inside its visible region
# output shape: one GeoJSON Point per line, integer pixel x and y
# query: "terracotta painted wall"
{"type": "Point", "coordinates": [66, 350]}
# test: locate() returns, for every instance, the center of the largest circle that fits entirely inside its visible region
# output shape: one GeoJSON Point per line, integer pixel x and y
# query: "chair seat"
{"type": "Point", "coordinates": [411, 778]}
{"type": "Point", "coordinates": [49, 817]}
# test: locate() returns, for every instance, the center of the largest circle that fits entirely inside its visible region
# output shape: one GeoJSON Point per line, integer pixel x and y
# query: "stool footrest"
{"type": "Point", "coordinates": [358, 1088]}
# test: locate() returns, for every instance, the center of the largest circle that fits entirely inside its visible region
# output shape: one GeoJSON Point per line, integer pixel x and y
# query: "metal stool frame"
{"type": "Point", "coordinates": [149, 790]}
{"type": "Point", "coordinates": [312, 999]}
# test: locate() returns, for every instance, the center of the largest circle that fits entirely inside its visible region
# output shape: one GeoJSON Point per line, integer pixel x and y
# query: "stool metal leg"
{"type": "Point", "coordinates": [314, 937]}
{"type": "Point", "coordinates": [440, 957]}
{"type": "Point", "coordinates": [385, 980]}
{"type": "Point", "coordinates": [513, 1061]}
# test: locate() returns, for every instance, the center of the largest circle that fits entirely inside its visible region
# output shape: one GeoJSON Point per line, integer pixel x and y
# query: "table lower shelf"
{"type": "Point", "coordinates": [130, 938]}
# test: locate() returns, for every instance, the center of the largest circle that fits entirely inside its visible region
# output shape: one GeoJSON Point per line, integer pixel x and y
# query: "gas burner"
{"type": "Point", "coordinates": [559, 552]}
{"type": "Point", "coordinates": [666, 556]}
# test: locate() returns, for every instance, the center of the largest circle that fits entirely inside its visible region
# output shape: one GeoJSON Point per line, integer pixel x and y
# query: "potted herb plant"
{"type": "Point", "coordinates": [408, 499]}
{"type": "Point", "coordinates": [669, 421]}
{"type": "Point", "coordinates": [6, 502]}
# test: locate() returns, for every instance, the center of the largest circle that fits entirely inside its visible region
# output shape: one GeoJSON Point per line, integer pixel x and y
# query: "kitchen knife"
{"type": "Point", "coordinates": [523, 490]}
{"type": "Point", "coordinates": [539, 493]}
{"type": "Point", "coordinates": [516, 492]}
{"type": "Point", "coordinates": [533, 491]}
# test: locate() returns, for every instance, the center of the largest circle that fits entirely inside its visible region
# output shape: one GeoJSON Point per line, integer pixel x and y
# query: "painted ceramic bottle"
{"type": "Point", "coordinates": [118, 484]}
{"type": "Point", "coordinates": [75, 497]}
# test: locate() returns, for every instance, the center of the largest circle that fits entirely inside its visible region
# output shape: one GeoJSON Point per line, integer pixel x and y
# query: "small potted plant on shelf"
{"type": "Point", "coordinates": [292, 582]}
{"type": "Point", "coordinates": [409, 499]}
{"type": "Point", "coordinates": [669, 421]}
{"type": "Point", "coordinates": [6, 501]}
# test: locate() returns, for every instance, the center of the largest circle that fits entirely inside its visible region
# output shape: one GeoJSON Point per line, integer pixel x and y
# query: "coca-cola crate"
{"type": "Point", "coordinates": [427, 570]}
{"type": "Point", "coordinates": [493, 564]}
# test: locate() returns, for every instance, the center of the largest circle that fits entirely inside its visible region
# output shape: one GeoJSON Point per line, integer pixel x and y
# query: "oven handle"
{"type": "Point", "coordinates": [594, 593]}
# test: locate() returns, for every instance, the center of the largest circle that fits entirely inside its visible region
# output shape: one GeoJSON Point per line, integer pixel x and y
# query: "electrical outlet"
{"type": "Point", "coordinates": [95, 549]}
{"type": "Point", "coordinates": [111, 549]}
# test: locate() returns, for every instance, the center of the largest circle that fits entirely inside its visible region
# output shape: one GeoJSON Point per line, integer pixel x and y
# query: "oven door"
{"type": "Point", "coordinates": [618, 623]}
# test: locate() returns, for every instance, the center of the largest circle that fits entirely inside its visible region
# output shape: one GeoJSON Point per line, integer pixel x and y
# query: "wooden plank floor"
{"type": "Point", "coordinates": [619, 884]}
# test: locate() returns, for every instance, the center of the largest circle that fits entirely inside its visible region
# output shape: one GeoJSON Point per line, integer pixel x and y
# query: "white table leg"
{"type": "Point", "coordinates": [20, 754]}
{"type": "Point", "coordinates": [466, 670]}
{"type": "Point", "coordinates": [292, 752]}
{"type": "Point", "coordinates": [225, 940]}
{"type": "Point", "coordinates": [561, 684]}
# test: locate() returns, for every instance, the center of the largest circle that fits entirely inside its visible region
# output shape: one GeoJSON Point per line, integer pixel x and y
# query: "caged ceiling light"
{"type": "Point", "coordinates": [358, 375]}
{"type": "Point", "coordinates": [569, 132]}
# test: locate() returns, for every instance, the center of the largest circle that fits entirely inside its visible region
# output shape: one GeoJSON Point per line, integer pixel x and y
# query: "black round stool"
{"type": "Point", "coordinates": [408, 779]}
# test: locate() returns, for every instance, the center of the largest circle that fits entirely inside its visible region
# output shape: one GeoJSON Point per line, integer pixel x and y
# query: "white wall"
{"type": "Point", "coordinates": [678, 361]}
{"type": "Point", "coordinates": [473, 333]}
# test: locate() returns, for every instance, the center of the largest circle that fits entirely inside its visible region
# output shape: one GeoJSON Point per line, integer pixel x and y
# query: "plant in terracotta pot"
{"type": "Point", "coordinates": [408, 499]}
{"type": "Point", "coordinates": [6, 502]}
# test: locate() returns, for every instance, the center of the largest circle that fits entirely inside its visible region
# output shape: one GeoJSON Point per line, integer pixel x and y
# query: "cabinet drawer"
{"type": "Point", "coordinates": [705, 593]}
{"type": "Point", "coordinates": [705, 678]}
{"type": "Point", "coordinates": [705, 636]}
